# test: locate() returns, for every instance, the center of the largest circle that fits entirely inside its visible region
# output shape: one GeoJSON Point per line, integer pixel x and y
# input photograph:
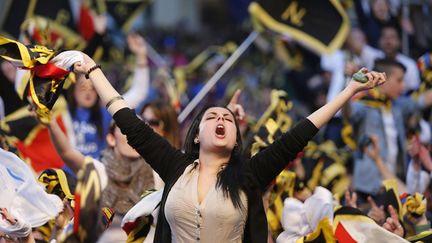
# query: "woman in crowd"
{"type": "Point", "coordinates": [162, 117]}
{"type": "Point", "coordinates": [209, 189]}
{"type": "Point", "coordinates": [90, 120]}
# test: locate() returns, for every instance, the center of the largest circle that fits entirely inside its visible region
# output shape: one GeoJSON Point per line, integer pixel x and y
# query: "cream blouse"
{"type": "Point", "coordinates": [214, 220]}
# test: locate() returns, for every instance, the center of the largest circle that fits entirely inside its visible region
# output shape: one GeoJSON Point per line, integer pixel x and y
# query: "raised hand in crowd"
{"type": "Point", "coordinates": [235, 107]}
{"type": "Point", "coordinates": [419, 154]}
{"type": "Point", "coordinates": [351, 199]}
{"type": "Point", "coordinates": [372, 149]}
{"type": "Point", "coordinates": [137, 46]}
{"type": "Point", "coordinates": [22, 230]}
{"type": "Point", "coordinates": [375, 212]}
{"type": "Point", "coordinates": [325, 113]}
{"type": "Point", "coordinates": [392, 223]}
{"type": "Point", "coordinates": [72, 157]}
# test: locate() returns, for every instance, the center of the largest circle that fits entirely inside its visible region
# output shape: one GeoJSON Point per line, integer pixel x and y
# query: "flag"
{"type": "Point", "coordinates": [21, 192]}
{"type": "Point", "coordinates": [273, 123]}
{"type": "Point", "coordinates": [58, 11]}
{"type": "Point", "coordinates": [350, 225]}
{"type": "Point", "coordinates": [48, 71]}
{"type": "Point", "coordinates": [322, 233]}
{"type": "Point", "coordinates": [32, 140]}
{"type": "Point", "coordinates": [325, 166]}
{"type": "Point", "coordinates": [320, 25]}
{"type": "Point", "coordinates": [283, 188]}
{"type": "Point", "coordinates": [88, 223]}
{"type": "Point", "coordinates": [57, 182]}
{"type": "Point", "coordinates": [140, 221]}
{"type": "Point", "coordinates": [125, 12]}
{"type": "Point", "coordinates": [310, 221]}
{"type": "Point", "coordinates": [423, 237]}
{"type": "Point", "coordinates": [46, 32]}
{"type": "Point", "coordinates": [391, 197]}
{"type": "Point", "coordinates": [15, 13]}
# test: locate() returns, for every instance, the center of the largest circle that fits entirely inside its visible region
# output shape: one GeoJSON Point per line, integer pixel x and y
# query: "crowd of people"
{"type": "Point", "coordinates": [350, 160]}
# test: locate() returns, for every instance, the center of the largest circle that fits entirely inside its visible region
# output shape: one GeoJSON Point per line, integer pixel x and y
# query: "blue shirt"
{"type": "Point", "coordinates": [87, 140]}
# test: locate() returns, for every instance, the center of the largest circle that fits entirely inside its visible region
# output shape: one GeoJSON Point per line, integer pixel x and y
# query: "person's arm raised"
{"type": "Point", "coordinates": [139, 89]}
{"type": "Point", "coordinates": [71, 156]}
{"type": "Point", "coordinates": [108, 95]}
{"type": "Point", "coordinates": [156, 150]}
{"type": "Point", "coordinates": [321, 116]}
{"type": "Point", "coordinates": [268, 163]}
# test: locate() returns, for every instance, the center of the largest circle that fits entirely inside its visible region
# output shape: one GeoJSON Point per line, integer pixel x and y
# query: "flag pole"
{"type": "Point", "coordinates": [218, 74]}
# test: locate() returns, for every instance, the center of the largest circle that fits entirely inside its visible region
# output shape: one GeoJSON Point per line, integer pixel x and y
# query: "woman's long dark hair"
{"type": "Point", "coordinates": [95, 111]}
{"type": "Point", "coordinates": [229, 179]}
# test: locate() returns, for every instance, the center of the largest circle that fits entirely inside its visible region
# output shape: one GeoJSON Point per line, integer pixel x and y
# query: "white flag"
{"type": "Point", "coordinates": [22, 195]}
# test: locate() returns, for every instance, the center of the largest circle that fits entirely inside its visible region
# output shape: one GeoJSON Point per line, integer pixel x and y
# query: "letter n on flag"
{"type": "Point", "coordinates": [321, 25]}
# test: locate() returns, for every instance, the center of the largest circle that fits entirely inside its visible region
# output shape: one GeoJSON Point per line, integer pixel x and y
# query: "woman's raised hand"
{"type": "Point", "coordinates": [137, 44]}
{"type": "Point", "coordinates": [83, 67]}
{"type": "Point", "coordinates": [363, 80]}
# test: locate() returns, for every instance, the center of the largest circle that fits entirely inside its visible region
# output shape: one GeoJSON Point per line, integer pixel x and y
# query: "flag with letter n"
{"type": "Point", "coordinates": [321, 25]}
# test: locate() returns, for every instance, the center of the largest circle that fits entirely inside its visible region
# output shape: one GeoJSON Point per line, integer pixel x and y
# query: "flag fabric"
{"type": "Point", "coordinates": [22, 194]}
{"type": "Point", "coordinates": [32, 140]}
{"type": "Point", "coordinates": [325, 166]}
{"type": "Point", "coordinates": [273, 122]}
{"type": "Point", "coordinates": [283, 188]}
{"type": "Point", "coordinates": [351, 225]}
{"type": "Point", "coordinates": [88, 222]}
{"type": "Point", "coordinates": [140, 221]}
{"type": "Point", "coordinates": [58, 11]}
{"type": "Point", "coordinates": [125, 12]}
{"type": "Point", "coordinates": [423, 237]}
{"type": "Point", "coordinates": [391, 196]}
{"type": "Point", "coordinates": [320, 25]}
{"type": "Point", "coordinates": [57, 182]}
{"type": "Point", "coordinates": [309, 221]}
{"type": "Point", "coordinates": [47, 72]}
{"type": "Point", "coordinates": [46, 32]}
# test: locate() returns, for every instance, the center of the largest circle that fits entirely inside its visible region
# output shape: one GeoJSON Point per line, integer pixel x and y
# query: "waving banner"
{"type": "Point", "coordinates": [321, 25]}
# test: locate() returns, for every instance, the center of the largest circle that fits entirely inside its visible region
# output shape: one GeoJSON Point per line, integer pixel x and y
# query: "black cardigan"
{"type": "Point", "coordinates": [259, 171]}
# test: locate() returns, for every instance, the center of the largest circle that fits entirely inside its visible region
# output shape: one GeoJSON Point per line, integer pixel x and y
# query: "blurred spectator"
{"type": "Point", "coordinates": [372, 22]}
{"type": "Point", "coordinates": [390, 44]}
{"type": "Point", "coordinates": [421, 15]}
{"type": "Point", "coordinates": [382, 113]}
{"type": "Point", "coordinates": [343, 63]}
{"type": "Point", "coordinates": [162, 117]}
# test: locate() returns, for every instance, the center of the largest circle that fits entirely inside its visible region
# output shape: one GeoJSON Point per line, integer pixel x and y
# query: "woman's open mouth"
{"type": "Point", "coordinates": [220, 131]}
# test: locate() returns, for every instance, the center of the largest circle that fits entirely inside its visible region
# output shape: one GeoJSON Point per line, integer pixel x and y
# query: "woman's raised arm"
{"type": "Point", "coordinates": [108, 95]}
{"type": "Point", "coordinates": [321, 116]}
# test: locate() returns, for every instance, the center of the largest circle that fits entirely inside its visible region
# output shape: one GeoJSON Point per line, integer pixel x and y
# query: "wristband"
{"type": "Point", "coordinates": [91, 70]}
